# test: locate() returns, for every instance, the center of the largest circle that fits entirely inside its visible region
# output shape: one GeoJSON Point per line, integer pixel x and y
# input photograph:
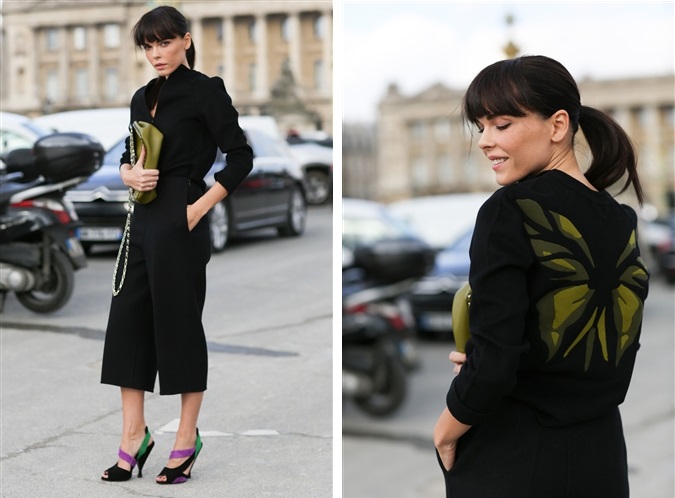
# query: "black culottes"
{"type": "Point", "coordinates": [155, 322]}
{"type": "Point", "coordinates": [511, 455]}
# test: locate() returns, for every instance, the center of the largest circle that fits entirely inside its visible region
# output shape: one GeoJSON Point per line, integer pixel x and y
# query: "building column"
{"type": "Point", "coordinates": [93, 55]}
{"type": "Point", "coordinates": [262, 62]}
{"type": "Point", "coordinates": [64, 68]}
{"type": "Point", "coordinates": [327, 53]}
{"type": "Point", "coordinates": [197, 32]}
{"type": "Point", "coordinates": [650, 132]}
{"type": "Point", "coordinates": [130, 70]}
{"type": "Point", "coordinates": [295, 45]}
{"type": "Point", "coordinates": [229, 59]}
{"type": "Point", "coordinates": [33, 75]}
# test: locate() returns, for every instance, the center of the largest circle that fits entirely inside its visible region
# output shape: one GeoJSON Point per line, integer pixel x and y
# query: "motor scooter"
{"type": "Point", "coordinates": [39, 245]}
{"type": "Point", "coordinates": [377, 323]}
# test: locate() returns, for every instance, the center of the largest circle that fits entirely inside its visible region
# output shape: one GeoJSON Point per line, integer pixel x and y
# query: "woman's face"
{"type": "Point", "coordinates": [166, 55]}
{"type": "Point", "coordinates": [516, 146]}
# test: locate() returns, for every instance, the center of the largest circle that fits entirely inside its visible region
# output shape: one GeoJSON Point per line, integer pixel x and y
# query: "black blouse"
{"type": "Point", "coordinates": [558, 288]}
{"type": "Point", "coordinates": [196, 116]}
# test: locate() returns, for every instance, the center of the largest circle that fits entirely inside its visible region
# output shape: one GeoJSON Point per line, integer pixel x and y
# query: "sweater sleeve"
{"type": "Point", "coordinates": [222, 121]}
{"type": "Point", "coordinates": [500, 257]}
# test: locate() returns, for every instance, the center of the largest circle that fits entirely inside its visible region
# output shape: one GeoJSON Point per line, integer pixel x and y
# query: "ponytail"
{"type": "Point", "coordinates": [612, 150]}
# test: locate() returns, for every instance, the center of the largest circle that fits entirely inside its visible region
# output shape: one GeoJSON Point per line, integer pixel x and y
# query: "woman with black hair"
{"type": "Point", "coordinates": [558, 289]}
{"type": "Point", "coordinates": [155, 323]}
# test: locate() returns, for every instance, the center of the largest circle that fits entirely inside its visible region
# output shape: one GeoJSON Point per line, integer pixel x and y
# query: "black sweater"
{"type": "Point", "coordinates": [196, 116]}
{"type": "Point", "coordinates": [558, 288]}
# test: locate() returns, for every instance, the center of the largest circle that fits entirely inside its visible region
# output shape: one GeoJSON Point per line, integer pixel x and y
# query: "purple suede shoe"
{"type": "Point", "coordinates": [178, 475]}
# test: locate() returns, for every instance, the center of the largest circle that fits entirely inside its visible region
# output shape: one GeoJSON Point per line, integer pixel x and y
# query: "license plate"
{"type": "Point", "coordinates": [74, 247]}
{"type": "Point", "coordinates": [89, 234]}
{"type": "Point", "coordinates": [436, 321]}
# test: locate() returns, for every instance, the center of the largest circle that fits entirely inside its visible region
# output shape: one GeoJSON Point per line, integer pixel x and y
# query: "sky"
{"type": "Point", "coordinates": [418, 44]}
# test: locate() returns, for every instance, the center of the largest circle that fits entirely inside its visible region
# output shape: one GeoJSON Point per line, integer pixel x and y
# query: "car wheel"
{"type": "Point", "coordinates": [296, 217]}
{"type": "Point", "coordinates": [318, 185]}
{"type": "Point", "coordinates": [219, 224]}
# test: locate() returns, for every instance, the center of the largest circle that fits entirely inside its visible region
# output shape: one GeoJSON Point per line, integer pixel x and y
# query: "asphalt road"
{"type": "Point", "coordinates": [394, 457]}
{"type": "Point", "coordinates": [266, 421]}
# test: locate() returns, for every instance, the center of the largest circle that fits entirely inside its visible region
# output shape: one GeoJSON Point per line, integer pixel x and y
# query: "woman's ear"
{"type": "Point", "coordinates": [187, 40]}
{"type": "Point", "coordinates": [560, 122]}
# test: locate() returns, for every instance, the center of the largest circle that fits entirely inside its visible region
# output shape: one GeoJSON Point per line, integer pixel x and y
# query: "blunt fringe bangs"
{"type": "Point", "coordinates": [496, 91]}
{"type": "Point", "coordinates": [515, 87]}
{"type": "Point", "coordinates": [161, 23]}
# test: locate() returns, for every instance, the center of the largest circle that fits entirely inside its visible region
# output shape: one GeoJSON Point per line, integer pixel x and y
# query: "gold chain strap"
{"type": "Point", "coordinates": [127, 226]}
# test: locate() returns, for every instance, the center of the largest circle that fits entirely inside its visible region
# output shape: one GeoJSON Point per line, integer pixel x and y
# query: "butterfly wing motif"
{"type": "Point", "coordinates": [574, 305]}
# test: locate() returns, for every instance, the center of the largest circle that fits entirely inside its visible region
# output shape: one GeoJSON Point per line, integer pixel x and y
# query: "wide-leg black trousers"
{"type": "Point", "coordinates": [155, 322]}
{"type": "Point", "coordinates": [511, 455]}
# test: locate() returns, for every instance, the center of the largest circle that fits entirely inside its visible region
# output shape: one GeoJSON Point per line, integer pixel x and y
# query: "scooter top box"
{"type": "Point", "coordinates": [62, 156]}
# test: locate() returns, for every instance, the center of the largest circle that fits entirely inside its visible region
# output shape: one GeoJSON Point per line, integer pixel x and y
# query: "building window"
{"type": "Point", "coordinates": [668, 116]}
{"type": "Point", "coordinates": [52, 39]}
{"type": "Point", "coordinates": [285, 29]}
{"type": "Point", "coordinates": [318, 75]}
{"type": "Point", "coordinates": [52, 86]}
{"type": "Point", "coordinates": [81, 84]}
{"type": "Point", "coordinates": [111, 35]}
{"type": "Point", "coordinates": [220, 31]}
{"type": "Point", "coordinates": [420, 173]}
{"type": "Point", "coordinates": [445, 172]}
{"type": "Point", "coordinates": [471, 169]}
{"type": "Point", "coordinates": [319, 27]}
{"type": "Point", "coordinates": [417, 130]}
{"type": "Point", "coordinates": [79, 38]}
{"type": "Point", "coordinates": [20, 80]}
{"type": "Point", "coordinates": [251, 77]}
{"type": "Point", "coordinates": [442, 130]}
{"type": "Point", "coordinates": [111, 83]}
{"type": "Point", "coordinates": [252, 31]}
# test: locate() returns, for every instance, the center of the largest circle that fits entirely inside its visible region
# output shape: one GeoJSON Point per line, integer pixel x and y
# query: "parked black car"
{"type": "Point", "coordinates": [273, 195]}
{"type": "Point", "coordinates": [431, 297]}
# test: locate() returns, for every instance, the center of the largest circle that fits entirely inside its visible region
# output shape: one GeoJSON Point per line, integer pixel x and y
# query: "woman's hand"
{"type": "Point", "coordinates": [458, 359]}
{"type": "Point", "coordinates": [193, 216]}
{"type": "Point", "coordinates": [446, 433]}
{"type": "Point", "coordinates": [198, 210]}
{"type": "Point", "coordinates": [137, 177]}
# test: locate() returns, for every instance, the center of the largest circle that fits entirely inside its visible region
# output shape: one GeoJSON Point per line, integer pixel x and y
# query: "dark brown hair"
{"type": "Point", "coordinates": [541, 85]}
{"type": "Point", "coordinates": [163, 23]}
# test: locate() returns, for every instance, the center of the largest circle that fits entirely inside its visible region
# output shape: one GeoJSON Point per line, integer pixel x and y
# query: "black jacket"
{"type": "Point", "coordinates": [558, 288]}
{"type": "Point", "coordinates": [195, 114]}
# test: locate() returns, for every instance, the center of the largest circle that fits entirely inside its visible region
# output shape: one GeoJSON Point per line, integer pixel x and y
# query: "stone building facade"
{"type": "Point", "coordinates": [422, 147]}
{"type": "Point", "coordinates": [61, 54]}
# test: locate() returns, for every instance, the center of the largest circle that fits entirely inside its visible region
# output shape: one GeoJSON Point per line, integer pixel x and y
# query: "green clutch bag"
{"type": "Point", "coordinates": [460, 317]}
{"type": "Point", "coordinates": [143, 134]}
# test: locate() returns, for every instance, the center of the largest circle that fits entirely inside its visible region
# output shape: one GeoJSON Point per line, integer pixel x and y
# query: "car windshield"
{"type": "Point", "coordinates": [463, 243]}
{"type": "Point", "coordinates": [112, 157]}
{"type": "Point", "coordinates": [35, 129]}
{"type": "Point", "coordinates": [264, 145]}
{"type": "Point", "coordinates": [360, 229]}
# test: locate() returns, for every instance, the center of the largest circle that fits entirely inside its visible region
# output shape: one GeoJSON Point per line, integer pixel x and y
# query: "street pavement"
{"type": "Point", "coordinates": [395, 458]}
{"type": "Point", "coordinates": [266, 420]}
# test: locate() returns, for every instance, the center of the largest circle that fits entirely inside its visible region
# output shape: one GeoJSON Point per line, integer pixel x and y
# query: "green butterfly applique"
{"type": "Point", "coordinates": [577, 301]}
